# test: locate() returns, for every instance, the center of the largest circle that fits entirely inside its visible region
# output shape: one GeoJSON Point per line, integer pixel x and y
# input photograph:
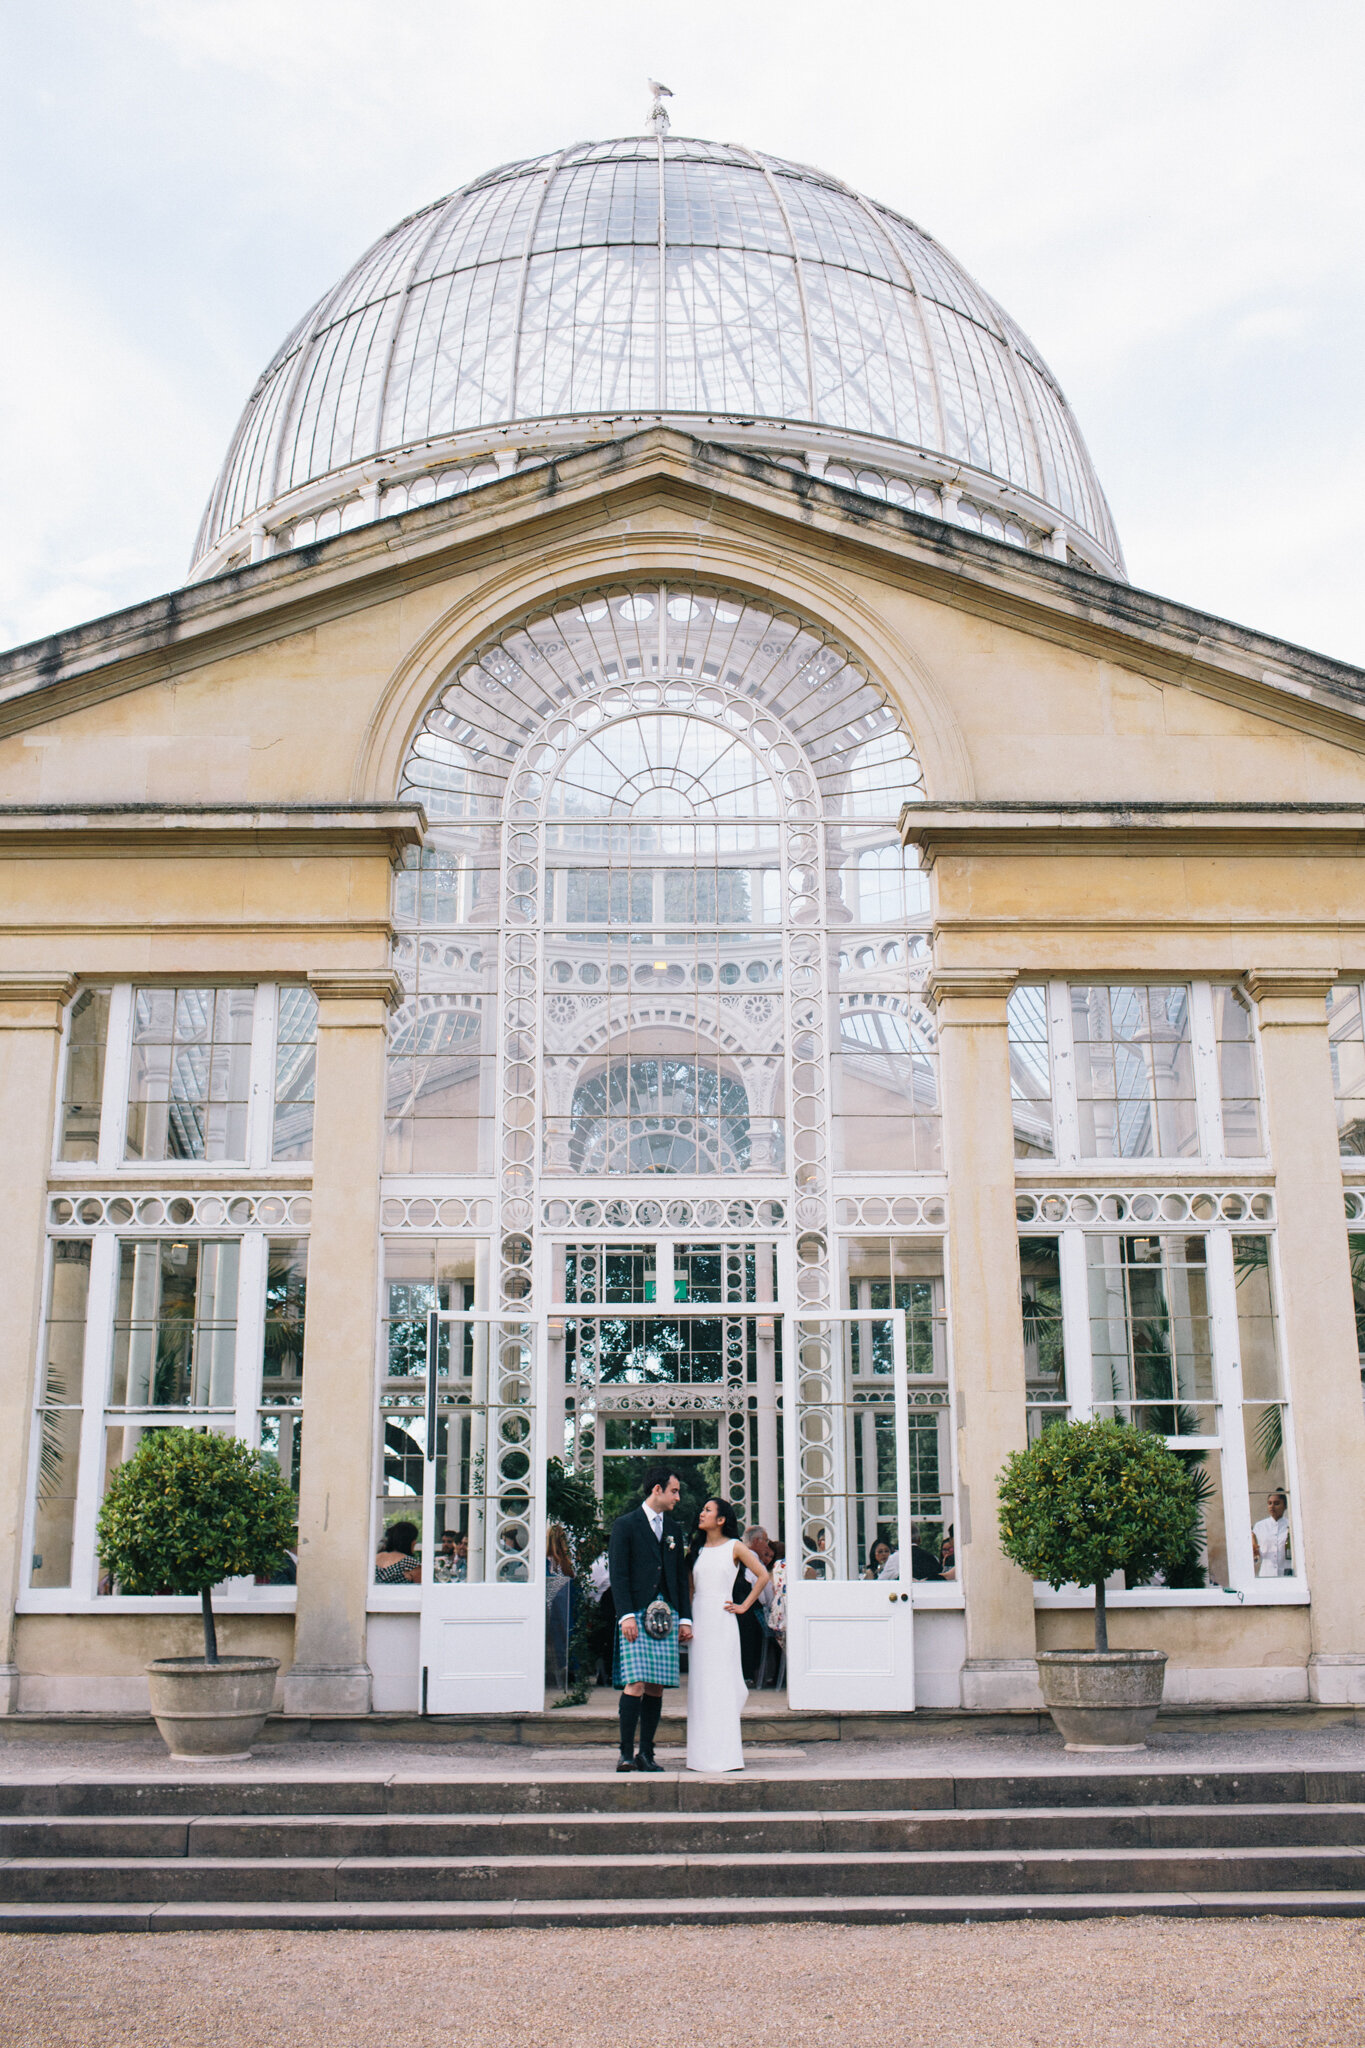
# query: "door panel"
{"type": "Point", "coordinates": [850, 1640]}
{"type": "Point", "coordinates": [483, 1610]}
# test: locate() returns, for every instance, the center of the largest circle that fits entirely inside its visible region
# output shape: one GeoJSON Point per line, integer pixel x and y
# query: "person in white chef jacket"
{"type": "Point", "coordinates": [1270, 1540]}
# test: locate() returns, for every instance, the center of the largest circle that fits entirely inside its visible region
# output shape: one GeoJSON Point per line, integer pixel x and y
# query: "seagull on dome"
{"type": "Point", "coordinates": [658, 113]}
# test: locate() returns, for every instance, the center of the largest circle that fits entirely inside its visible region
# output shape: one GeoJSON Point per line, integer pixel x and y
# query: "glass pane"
{"type": "Point", "coordinates": [295, 1072]}
{"type": "Point", "coordinates": [1256, 1323]}
{"type": "Point", "coordinates": [190, 1073]}
{"type": "Point", "coordinates": [1044, 1348]}
{"type": "Point", "coordinates": [286, 1291]}
{"type": "Point", "coordinates": [64, 1362]}
{"type": "Point", "coordinates": [175, 1324]}
{"type": "Point", "coordinates": [1149, 1332]}
{"type": "Point", "coordinates": [59, 1443]}
{"type": "Point", "coordinates": [1134, 1071]}
{"type": "Point", "coordinates": [1030, 1073]}
{"type": "Point", "coordinates": [1206, 1561]}
{"type": "Point", "coordinates": [83, 1085]}
{"type": "Point", "coordinates": [1264, 1425]}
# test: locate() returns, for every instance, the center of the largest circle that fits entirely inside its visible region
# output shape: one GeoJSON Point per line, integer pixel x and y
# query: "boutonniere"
{"type": "Point", "coordinates": [670, 1541]}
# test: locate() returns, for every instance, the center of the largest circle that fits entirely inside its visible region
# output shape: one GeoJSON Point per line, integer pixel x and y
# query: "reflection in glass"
{"type": "Point", "coordinates": [190, 1075]}
{"type": "Point", "coordinates": [83, 1082]}
{"type": "Point", "coordinates": [1134, 1071]}
{"type": "Point", "coordinates": [175, 1324]}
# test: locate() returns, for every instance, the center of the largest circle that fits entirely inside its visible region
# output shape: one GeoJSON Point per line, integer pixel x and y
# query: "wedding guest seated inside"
{"type": "Point", "coordinates": [396, 1564]}
{"type": "Point", "coordinates": [450, 1566]}
{"type": "Point", "coordinates": [877, 1563]}
{"type": "Point", "coordinates": [923, 1563]}
{"type": "Point", "coordinates": [947, 1557]}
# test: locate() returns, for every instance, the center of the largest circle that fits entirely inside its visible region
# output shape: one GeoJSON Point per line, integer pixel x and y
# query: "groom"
{"type": "Point", "coordinates": [647, 1563]}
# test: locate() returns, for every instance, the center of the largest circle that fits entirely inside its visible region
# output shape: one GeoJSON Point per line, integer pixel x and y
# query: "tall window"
{"type": "Point", "coordinates": [1031, 1073]}
{"type": "Point", "coordinates": [1175, 1333]}
{"type": "Point", "coordinates": [83, 1081]}
{"type": "Point", "coordinates": [296, 1054]}
{"type": "Point", "coordinates": [145, 1332]}
{"type": "Point", "coordinates": [62, 1379]}
{"type": "Point", "coordinates": [1346, 1034]}
{"type": "Point", "coordinates": [714, 785]}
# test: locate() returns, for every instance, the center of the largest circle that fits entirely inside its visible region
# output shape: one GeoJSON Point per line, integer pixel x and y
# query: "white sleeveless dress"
{"type": "Point", "coordinates": [715, 1678]}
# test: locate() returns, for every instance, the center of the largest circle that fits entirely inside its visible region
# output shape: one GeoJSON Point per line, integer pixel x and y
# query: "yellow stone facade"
{"type": "Point", "coordinates": [207, 788]}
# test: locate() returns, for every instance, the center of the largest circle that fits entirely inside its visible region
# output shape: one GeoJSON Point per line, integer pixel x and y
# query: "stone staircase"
{"type": "Point", "coordinates": [583, 1848]}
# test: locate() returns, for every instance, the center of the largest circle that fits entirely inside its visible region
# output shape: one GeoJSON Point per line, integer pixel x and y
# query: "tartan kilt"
{"type": "Point", "coordinates": [649, 1660]}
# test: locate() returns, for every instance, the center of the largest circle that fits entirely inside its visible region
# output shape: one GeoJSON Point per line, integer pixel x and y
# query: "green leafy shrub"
{"type": "Point", "coordinates": [190, 1509]}
{"type": "Point", "coordinates": [1091, 1498]}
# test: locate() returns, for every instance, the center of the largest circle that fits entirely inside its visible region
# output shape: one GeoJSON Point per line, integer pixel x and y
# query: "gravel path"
{"type": "Point", "coordinates": [1168, 1983]}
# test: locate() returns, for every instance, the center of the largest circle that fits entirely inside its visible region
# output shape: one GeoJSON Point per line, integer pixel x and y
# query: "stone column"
{"type": "Point", "coordinates": [986, 1326]}
{"type": "Point", "coordinates": [330, 1673]}
{"type": "Point", "coordinates": [31, 1009]}
{"type": "Point", "coordinates": [1317, 1320]}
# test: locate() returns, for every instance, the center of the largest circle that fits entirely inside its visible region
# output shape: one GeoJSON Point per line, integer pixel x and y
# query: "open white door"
{"type": "Point", "coordinates": [850, 1640]}
{"type": "Point", "coordinates": [483, 1610]}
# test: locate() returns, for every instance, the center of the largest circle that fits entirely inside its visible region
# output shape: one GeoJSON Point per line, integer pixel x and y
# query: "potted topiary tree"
{"type": "Point", "coordinates": [1088, 1499]}
{"type": "Point", "coordinates": [188, 1510]}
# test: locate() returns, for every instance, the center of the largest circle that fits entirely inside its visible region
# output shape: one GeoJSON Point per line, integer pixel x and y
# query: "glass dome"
{"type": "Point", "coordinates": [582, 295]}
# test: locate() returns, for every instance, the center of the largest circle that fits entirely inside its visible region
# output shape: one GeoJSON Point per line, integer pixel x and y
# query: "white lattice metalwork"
{"type": "Point", "coordinates": [891, 1212]}
{"type": "Point", "coordinates": [649, 1213]}
{"type": "Point", "coordinates": [1154, 1206]}
{"type": "Point", "coordinates": [131, 1211]}
{"type": "Point", "coordinates": [655, 278]}
{"type": "Point", "coordinates": [437, 1212]}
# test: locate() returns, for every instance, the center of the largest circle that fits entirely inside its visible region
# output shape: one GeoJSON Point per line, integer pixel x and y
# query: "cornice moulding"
{"type": "Point", "coordinates": [363, 986]}
{"type": "Point", "coordinates": [989, 984]}
{"type": "Point", "coordinates": [1310, 983]}
{"type": "Point", "coordinates": [30, 989]}
{"type": "Point", "coordinates": [1156, 829]}
{"type": "Point", "coordinates": [171, 830]}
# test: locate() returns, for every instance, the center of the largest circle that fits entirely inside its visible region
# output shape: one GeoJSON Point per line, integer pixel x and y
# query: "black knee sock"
{"type": "Point", "coordinates": [651, 1707]}
{"type": "Point", "coordinates": [629, 1711]}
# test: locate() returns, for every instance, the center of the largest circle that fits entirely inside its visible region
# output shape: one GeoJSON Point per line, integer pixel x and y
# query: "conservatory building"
{"type": "Point", "coordinates": [658, 892]}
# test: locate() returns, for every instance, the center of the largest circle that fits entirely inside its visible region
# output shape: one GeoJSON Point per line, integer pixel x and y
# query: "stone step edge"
{"type": "Point", "coordinates": [673, 1820]}
{"type": "Point", "coordinates": [395, 1915]}
{"type": "Point", "coordinates": [699, 1859]}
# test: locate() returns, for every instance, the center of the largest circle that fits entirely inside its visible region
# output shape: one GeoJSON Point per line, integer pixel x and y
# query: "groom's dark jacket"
{"type": "Point", "coordinates": [644, 1569]}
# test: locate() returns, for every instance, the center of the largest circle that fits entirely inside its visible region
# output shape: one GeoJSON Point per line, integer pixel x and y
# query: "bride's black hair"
{"type": "Point", "coordinates": [729, 1526]}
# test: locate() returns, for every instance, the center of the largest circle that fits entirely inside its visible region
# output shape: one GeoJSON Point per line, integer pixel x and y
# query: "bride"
{"type": "Point", "coordinates": [715, 1680]}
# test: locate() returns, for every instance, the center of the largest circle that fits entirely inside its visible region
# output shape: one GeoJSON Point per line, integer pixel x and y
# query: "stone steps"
{"type": "Point", "coordinates": [159, 1852]}
{"type": "Point", "coordinates": [812, 1833]}
{"type": "Point", "coordinates": [364, 1880]}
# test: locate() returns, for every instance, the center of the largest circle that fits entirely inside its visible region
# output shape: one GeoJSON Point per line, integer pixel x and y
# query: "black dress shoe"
{"type": "Point", "coordinates": [646, 1763]}
{"type": "Point", "coordinates": [625, 1763]}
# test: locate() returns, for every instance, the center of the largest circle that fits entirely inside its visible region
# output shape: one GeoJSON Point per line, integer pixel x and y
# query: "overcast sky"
{"type": "Point", "coordinates": [1169, 198]}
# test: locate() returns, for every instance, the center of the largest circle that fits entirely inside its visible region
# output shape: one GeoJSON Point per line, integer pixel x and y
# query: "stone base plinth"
{"type": "Point", "coordinates": [1337, 1681]}
{"type": "Point", "coordinates": [1000, 1684]}
{"type": "Point", "coordinates": [314, 1690]}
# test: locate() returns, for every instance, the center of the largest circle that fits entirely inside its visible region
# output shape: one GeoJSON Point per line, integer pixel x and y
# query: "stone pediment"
{"type": "Point", "coordinates": [700, 502]}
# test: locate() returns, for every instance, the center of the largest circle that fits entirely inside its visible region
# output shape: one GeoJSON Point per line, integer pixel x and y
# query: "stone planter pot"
{"type": "Point", "coordinates": [211, 1713]}
{"type": "Point", "coordinates": [1102, 1699]}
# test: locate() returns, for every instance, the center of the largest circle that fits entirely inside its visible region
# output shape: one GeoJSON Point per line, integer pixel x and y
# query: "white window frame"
{"type": "Point", "coordinates": [1208, 1084]}
{"type": "Point", "coordinates": [1230, 1442]}
{"type": "Point", "coordinates": [259, 1161]}
{"type": "Point", "coordinates": [241, 1420]}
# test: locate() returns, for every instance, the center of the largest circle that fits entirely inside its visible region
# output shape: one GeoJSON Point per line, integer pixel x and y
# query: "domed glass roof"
{"type": "Point", "coordinates": [619, 283]}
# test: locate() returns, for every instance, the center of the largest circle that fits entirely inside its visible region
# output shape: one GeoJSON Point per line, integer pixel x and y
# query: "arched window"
{"type": "Point", "coordinates": [663, 901]}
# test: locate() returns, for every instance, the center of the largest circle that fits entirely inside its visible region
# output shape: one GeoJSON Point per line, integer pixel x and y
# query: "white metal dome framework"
{"type": "Point", "coordinates": [618, 284]}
